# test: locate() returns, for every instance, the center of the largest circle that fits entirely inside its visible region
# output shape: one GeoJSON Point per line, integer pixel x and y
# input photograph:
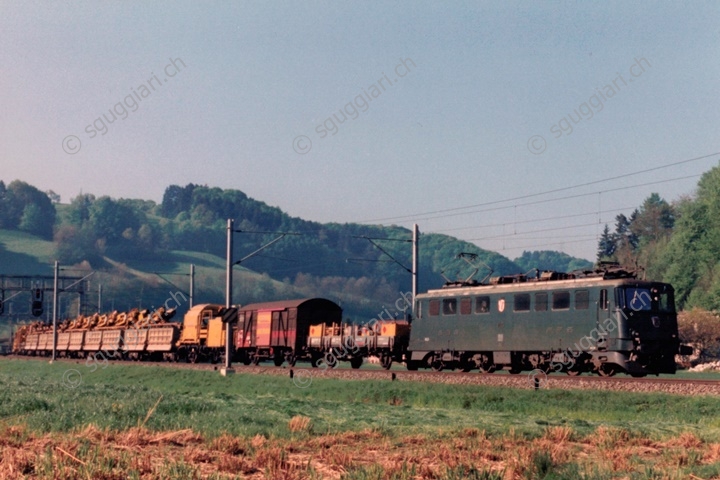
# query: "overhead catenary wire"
{"type": "Point", "coordinates": [409, 217]}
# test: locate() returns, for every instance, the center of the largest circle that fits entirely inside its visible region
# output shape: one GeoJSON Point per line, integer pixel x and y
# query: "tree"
{"type": "Point", "coordinates": [606, 245]}
{"type": "Point", "coordinates": [18, 195]}
{"type": "Point", "coordinates": [79, 211]}
{"type": "Point", "coordinates": [32, 221]}
{"type": "Point", "coordinates": [54, 197]}
{"type": "Point", "coordinates": [176, 199]}
{"type": "Point", "coordinates": [654, 220]}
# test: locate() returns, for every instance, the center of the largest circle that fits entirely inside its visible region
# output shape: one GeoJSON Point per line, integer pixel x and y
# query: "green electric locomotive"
{"type": "Point", "coordinates": [605, 321]}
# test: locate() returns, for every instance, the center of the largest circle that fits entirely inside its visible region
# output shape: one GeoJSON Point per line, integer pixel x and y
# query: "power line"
{"type": "Point", "coordinates": [579, 195]}
{"type": "Point", "coordinates": [560, 217]}
{"type": "Point", "coordinates": [531, 195]}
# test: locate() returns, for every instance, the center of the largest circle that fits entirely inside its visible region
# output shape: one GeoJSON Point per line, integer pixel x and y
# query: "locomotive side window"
{"type": "Point", "coordinates": [449, 306]}
{"type": "Point", "coordinates": [522, 302]}
{"type": "Point", "coordinates": [465, 306]}
{"type": "Point", "coordinates": [482, 304]}
{"type": "Point", "coordinates": [541, 301]}
{"type": "Point", "coordinates": [582, 299]}
{"type": "Point", "coordinates": [561, 300]}
{"type": "Point", "coordinates": [434, 309]}
{"type": "Point", "coordinates": [603, 299]}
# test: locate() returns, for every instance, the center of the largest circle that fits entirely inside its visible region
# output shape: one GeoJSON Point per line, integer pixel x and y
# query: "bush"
{"type": "Point", "coordinates": [700, 329]}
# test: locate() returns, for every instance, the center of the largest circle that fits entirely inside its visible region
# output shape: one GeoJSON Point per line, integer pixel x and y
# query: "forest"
{"type": "Point", "coordinates": [677, 242]}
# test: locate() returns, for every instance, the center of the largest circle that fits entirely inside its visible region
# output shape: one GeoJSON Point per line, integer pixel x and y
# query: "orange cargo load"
{"type": "Point", "coordinates": [316, 330]}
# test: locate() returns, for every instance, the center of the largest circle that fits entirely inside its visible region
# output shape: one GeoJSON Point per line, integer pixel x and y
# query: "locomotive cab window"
{"type": "Point", "coordinates": [434, 308]}
{"type": "Point", "coordinates": [465, 306]}
{"type": "Point", "coordinates": [449, 306]}
{"type": "Point", "coordinates": [638, 299]}
{"type": "Point", "coordinates": [541, 302]}
{"type": "Point", "coordinates": [561, 300]}
{"type": "Point", "coordinates": [482, 304]}
{"type": "Point", "coordinates": [521, 302]}
{"type": "Point", "coordinates": [582, 299]}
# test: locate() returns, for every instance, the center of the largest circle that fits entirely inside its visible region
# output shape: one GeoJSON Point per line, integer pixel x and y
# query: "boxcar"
{"type": "Point", "coordinates": [279, 330]}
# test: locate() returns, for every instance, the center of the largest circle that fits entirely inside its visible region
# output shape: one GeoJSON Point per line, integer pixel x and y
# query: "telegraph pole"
{"type": "Point", "coordinates": [228, 370]}
{"type": "Point", "coordinates": [415, 259]}
{"type": "Point", "coordinates": [192, 283]}
{"type": "Point", "coordinates": [55, 308]}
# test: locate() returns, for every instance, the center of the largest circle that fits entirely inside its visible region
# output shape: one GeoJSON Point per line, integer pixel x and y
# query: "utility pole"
{"type": "Point", "coordinates": [192, 283]}
{"type": "Point", "coordinates": [415, 259]}
{"type": "Point", "coordinates": [228, 370]}
{"type": "Point", "coordinates": [99, 297]}
{"type": "Point", "coordinates": [55, 308]}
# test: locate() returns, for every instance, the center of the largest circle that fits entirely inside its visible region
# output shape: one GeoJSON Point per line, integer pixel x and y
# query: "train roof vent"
{"type": "Point", "coordinates": [502, 280]}
{"type": "Point", "coordinates": [550, 275]}
{"type": "Point", "coordinates": [608, 271]}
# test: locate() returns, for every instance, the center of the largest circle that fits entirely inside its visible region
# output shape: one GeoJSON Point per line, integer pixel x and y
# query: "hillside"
{"type": "Point", "coordinates": [127, 242]}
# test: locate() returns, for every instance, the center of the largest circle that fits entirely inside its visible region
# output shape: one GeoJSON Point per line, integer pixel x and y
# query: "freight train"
{"type": "Point", "coordinates": [604, 321]}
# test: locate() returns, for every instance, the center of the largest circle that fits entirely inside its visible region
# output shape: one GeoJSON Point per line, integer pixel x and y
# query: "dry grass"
{"type": "Point", "coordinates": [139, 453]}
{"type": "Point", "coordinates": [300, 424]}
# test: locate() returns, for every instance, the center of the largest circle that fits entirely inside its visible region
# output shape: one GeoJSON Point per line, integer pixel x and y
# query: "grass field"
{"type": "Point", "coordinates": [94, 424]}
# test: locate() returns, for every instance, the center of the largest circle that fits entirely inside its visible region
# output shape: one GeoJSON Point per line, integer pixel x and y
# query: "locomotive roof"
{"type": "Point", "coordinates": [532, 285]}
{"type": "Point", "coordinates": [285, 304]}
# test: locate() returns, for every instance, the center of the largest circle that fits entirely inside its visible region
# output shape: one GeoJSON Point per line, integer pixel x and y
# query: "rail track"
{"type": "Point", "coordinates": [302, 376]}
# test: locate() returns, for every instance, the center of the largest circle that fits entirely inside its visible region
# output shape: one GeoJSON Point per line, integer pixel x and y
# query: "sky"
{"type": "Point", "coordinates": [457, 116]}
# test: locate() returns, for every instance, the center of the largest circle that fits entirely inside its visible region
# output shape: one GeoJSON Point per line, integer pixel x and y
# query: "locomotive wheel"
{"type": "Point", "coordinates": [355, 362]}
{"type": "Point", "coordinates": [488, 368]}
{"type": "Point", "coordinates": [437, 365]}
{"type": "Point", "coordinates": [386, 361]}
{"type": "Point", "coordinates": [606, 370]}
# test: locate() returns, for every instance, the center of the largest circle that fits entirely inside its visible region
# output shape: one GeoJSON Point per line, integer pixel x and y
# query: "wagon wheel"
{"type": "Point", "coordinates": [606, 370]}
{"type": "Point", "coordinates": [246, 359]}
{"type": "Point", "coordinates": [192, 356]}
{"type": "Point", "coordinates": [638, 375]}
{"type": "Point", "coordinates": [515, 370]}
{"type": "Point", "coordinates": [356, 362]}
{"type": "Point", "coordinates": [279, 360]}
{"type": "Point", "coordinates": [573, 373]}
{"type": "Point", "coordinates": [386, 361]}
{"type": "Point", "coordinates": [413, 365]}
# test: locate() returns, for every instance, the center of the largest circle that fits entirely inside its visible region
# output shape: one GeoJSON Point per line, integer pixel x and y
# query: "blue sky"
{"type": "Point", "coordinates": [442, 106]}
